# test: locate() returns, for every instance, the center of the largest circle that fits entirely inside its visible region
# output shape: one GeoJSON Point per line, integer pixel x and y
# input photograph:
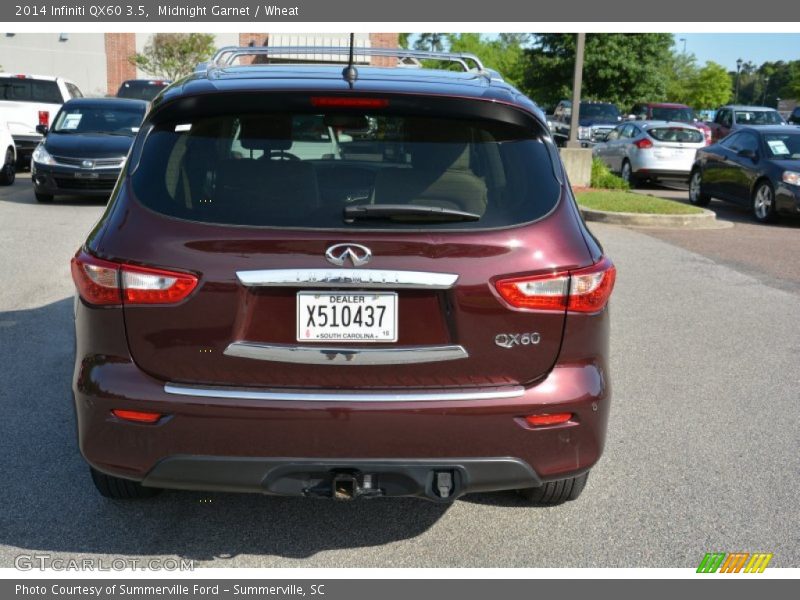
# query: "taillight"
{"type": "Point", "coordinates": [137, 416]}
{"type": "Point", "coordinates": [547, 419]}
{"type": "Point", "coordinates": [44, 118]}
{"type": "Point", "coordinates": [105, 283]}
{"type": "Point", "coordinates": [643, 144]}
{"type": "Point", "coordinates": [584, 290]}
{"type": "Point", "coordinates": [348, 102]}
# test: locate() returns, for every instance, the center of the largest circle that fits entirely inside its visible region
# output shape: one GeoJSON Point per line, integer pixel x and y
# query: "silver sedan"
{"type": "Point", "coordinates": [651, 150]}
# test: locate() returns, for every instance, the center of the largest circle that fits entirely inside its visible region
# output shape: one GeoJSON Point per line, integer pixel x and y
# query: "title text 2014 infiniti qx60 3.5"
{"type": "Point", "coordinates": [317, 283]}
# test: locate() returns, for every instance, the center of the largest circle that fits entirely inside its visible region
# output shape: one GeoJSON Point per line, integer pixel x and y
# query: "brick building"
{"type": "Point", "coordinates": [98, 62]}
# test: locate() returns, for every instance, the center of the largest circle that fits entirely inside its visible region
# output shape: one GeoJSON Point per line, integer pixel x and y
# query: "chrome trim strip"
{"type": "Point", "coordinates": [343, 396]}
{"type": "Point", "coordinates": [338, 355]}
{"type": "Point", "coordinates": [347, 278]}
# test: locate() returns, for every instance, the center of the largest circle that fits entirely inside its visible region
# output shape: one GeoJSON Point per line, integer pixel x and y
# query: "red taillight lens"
{"type": "Point", "coordinates": [348, 102]}
{"type": "Point", "coordinates": [44, 118]}
{"type": "Point", "coordinates": [643, 144]}
{"type": "Point", "coordinates": [550, 419]}
{"type": "Point", "coordinates": [102, 282]}
{"type": "Point", "coordinates": [585, 290]}
{"type": "Point", "coordinates": [137, 416]}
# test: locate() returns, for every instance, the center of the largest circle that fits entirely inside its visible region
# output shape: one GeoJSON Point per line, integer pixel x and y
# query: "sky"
{"type": "Point", "coordinates": [725, 48]}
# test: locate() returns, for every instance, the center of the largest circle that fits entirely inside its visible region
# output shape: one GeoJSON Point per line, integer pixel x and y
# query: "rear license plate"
{"type": "Point", "coordinates": [346, 317]}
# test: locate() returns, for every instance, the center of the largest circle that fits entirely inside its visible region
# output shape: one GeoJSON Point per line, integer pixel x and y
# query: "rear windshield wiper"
{"type": "Point", "coordinates": [406, 212]}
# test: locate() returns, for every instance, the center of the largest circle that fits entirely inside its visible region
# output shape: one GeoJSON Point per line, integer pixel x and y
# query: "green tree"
{"type": "Point", "coordinates": [433, 42]}
{"type": "Point", "coordinates": [174, 55]}
{"type": "Point", "coordinates": [680, 71]}
{"type": "Point", "coordinates": [402, 40]}
{"type": "Point", "coordinates": [710, 88]}
{"type": "Point", "coordinates": [504, 54]}
{"type": "Point", "coordinates": [621, 67]}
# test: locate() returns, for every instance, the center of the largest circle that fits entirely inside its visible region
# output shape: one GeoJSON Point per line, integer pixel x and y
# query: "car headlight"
{"type": "Point", "coordinates": [42, 156]}
{"type": "Point", "coordinates": [584, 133]}
{"type": "Point", "coordinates": [791, 177]}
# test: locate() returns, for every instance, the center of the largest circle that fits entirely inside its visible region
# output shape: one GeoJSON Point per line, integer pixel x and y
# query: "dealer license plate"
{"type": "Point", "coordinates": [346, 317]}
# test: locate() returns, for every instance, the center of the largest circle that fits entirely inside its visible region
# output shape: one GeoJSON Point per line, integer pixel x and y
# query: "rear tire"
{"type": "Point", "coordinates": [627, 174]}
{"type": "Point", "coordinates": [8, 170]}
{"type": "Point", "coordinates": [696, 195]}
{"type": "Point", "coordinates": [555, 492]}
{"type": "Point", "coordinates": [120, 489]}
{"type": "Point", "coordinates": [43, 197]}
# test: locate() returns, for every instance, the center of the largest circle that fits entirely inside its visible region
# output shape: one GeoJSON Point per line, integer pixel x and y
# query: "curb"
{"type": "Point", "coordinates": [705, 220]}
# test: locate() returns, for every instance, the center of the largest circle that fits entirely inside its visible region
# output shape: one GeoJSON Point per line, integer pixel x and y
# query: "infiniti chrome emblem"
{"type": "Point", "coordinates": [339, 253]}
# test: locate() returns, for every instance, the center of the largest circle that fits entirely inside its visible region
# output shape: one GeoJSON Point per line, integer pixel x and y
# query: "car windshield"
{"type": "Point", "coordinates": [785, 146]}
{"type": "Point", "coordinates": [96, 119]}
{"type": "Point", "coordinates": [673, 113]}
{"type": "Point", "coordinates": [758, 117]}
{"type": "Point", "coordinates": [599, 111]}
{"type": "Point", "coordinates": [346, 170]}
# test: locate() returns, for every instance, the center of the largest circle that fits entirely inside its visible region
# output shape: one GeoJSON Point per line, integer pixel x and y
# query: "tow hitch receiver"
{"type": "Point", "coordinates": [346, 486]}
{"type": "Point", "coordinates": [444, 483]}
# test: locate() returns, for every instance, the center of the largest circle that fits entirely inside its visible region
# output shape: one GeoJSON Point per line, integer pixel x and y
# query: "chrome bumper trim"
{"type": "Point", "coordinates": [338, 355]}
{"type": "Point", "coordinates": [347, 278]}
{"type": "Point", "coordinates": [342, 396]}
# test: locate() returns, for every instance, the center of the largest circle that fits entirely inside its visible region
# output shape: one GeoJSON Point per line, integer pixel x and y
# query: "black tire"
{"type": "Point", "coordinates": [8, 170]}
{"type": "Point", "coordinates": [696, 195]}
{"type": "Point", "coordinates": [120, 489]}
{"type": "Point", "coordinates": [764, 202]}
{"type": "Point", "coordinates": [555, 492]}
{"type": "Point", "coordinates": [43, 197]}
{"type": "Point", "coordinates": [626, 172]}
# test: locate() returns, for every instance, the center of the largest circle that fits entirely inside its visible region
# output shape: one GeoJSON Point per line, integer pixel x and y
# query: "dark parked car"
{"type": "Point", "coordinates": [794, 118]}
{"type": "Point", "coordinates": [754, 167]}
{"type": "Point", "coordinates": [85, 149]}
{"type": "Point", "coordinates": [416, 310]}
{"type": "Point", "coordinates": [142, 89]}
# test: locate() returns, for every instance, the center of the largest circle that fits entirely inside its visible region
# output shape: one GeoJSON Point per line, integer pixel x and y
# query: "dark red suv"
{"type": "Point", "coordinates": [313, 282]}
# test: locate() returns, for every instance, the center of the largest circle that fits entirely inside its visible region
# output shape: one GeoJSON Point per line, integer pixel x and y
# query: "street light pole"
{"type": "Point", "coordinates": [577, 81]}
{"type": "Point", "coordinates": [739, 62]}
{"type": "Point", "coordinates": [766, 87]}
{"type": "Point", "coordinates": [684, 44]}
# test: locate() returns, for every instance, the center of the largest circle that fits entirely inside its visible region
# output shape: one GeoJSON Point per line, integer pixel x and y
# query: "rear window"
{"type": "Point", "coordinates": [30, 90]}
{"type": "Point", "coordinates": [672, 113]}
{"type": "Point", "coordinates": [676, 134]}
{"type": "Point", "coordinates": [141, 90]}
{"type": "Point", "coordinates": [348, 170]}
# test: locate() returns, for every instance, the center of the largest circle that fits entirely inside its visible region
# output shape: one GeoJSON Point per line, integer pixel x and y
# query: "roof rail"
{"type": "Point", "coordinates": [225, 57]}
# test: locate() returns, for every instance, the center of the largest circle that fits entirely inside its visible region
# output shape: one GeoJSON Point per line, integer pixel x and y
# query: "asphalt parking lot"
{"type": "Point", "coordinates": [702, 452]}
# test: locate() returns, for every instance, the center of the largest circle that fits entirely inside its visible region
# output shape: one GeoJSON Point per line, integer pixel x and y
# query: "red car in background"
{"type": "Point", "coordinates": [670, 111]}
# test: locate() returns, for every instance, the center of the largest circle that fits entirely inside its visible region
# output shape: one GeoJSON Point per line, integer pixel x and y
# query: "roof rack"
{"type": "Point", "coordinates": [225, 57]}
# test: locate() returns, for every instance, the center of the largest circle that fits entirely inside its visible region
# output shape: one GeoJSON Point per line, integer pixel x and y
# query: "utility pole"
{"type": "Point", "coordinates": [577, 81]}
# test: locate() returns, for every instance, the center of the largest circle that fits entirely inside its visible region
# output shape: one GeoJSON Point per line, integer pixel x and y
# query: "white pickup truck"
{"type": "Point", "coordinates": [27, 101]}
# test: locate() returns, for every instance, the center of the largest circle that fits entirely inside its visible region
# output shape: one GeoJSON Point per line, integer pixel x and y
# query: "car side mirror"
{"type": "Point", "coordinates": [747, 153]}
{"type": "Point", "coordinates": [42, 129]}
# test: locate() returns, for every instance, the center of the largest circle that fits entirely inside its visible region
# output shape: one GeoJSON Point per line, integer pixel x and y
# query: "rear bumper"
{"type": "Point", "coordinates": [289, 446]}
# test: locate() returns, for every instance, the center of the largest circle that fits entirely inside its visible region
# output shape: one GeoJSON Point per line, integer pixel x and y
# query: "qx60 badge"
{"type": "Point", "coordinates": [509, 340]}
{"type": "Point", "coordinates": [339, 253]}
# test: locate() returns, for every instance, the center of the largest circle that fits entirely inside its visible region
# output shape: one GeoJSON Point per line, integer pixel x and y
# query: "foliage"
{"type": "Point", "coordinates": [433, 42]}
{"type": "Point", "coordinates": [504, 54]}
{"type": "Point", "coordinates": [174, 55]}
{"type": "Point", "coordinates": [622, 67]}
{"type": "Point", "coordinates": [628, 202]}
{"type": "Point", "coordinates": [603, 178]}
{"type": "Point", "coordinates": [402, 40]}
{"type": "Point", "coordinates": [710, 87]}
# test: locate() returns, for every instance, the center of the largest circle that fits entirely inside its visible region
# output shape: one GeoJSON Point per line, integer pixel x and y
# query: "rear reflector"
{"type": "Point", "coordinates": [552, 419]}
{"type": "Point", "coordinates": [137, 416]}
{"type": "Point", "coordinates": [105, 283]}
{"type": "Point", "coordinates": [44, 118]}
{"type": "Point", "coordinates": [584, 290]}
{"type": "Point", "coordinates": [348, 102]}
